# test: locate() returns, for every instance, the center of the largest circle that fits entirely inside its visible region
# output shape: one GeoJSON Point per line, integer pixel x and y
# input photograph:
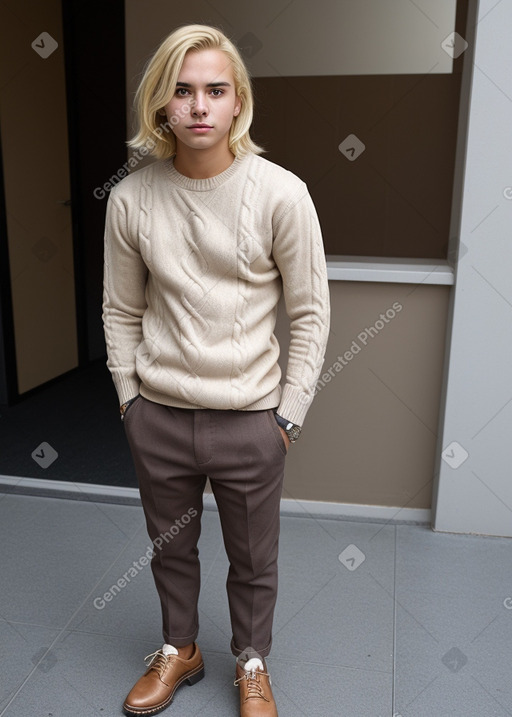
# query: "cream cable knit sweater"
{"type": "Point", "coordinates": [194, 269]}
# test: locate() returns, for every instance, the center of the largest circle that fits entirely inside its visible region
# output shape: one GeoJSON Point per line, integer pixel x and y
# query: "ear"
{"type": "Point", "coordinates": [238, 107]}
{"type": "Point", "coordinates": [162, 111]}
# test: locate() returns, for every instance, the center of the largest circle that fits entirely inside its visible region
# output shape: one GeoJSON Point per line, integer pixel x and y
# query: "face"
{"type": "Point", "coordinates": [205, 101]}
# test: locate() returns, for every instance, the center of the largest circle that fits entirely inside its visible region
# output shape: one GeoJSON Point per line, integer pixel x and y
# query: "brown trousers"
{"type": "Point", "coordinates": [243, 454]}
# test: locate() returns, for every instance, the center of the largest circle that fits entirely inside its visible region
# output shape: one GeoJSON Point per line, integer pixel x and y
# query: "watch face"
{"type": "Point", "coordinates": [293, 433]}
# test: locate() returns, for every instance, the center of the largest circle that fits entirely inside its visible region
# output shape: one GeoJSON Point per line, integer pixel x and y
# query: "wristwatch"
{"type": "Point", "coordinates": [291, 429]}
{"type": "Point", "coordinates": [126, 406]}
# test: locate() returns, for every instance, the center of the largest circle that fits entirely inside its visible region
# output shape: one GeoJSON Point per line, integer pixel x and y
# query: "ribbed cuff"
{"type": "Point", "coordinates": [294, 404]}
{"type": "Point", "coordinates": [126, 388]}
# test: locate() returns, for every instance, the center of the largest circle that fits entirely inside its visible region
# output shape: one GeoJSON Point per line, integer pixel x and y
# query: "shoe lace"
{"type": "Point", "coordinates": [157, 661]}
{"type": "Point", "coordinates": [254, 688]}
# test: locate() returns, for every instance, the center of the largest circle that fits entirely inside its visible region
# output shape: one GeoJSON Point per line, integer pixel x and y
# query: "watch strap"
{"type": "Point", "coordinates": [291, 429]}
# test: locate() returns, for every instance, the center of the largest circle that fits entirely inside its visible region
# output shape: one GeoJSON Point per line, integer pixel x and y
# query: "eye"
{"type": "Point", "coordinates": [216, 92]}
{"type": "Point", "coordinates": [181, 91]}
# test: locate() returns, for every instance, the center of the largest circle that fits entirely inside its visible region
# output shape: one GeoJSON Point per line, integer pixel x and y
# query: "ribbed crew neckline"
{"type": "Point", "coordinates": [201, 185]}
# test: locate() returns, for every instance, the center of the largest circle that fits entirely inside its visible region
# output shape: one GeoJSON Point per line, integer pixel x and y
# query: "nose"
{"type": "Point", "coordinates": [200, 108]}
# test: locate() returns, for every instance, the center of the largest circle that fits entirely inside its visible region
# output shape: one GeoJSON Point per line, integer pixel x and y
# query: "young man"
{"type": "Point", "coordinates": [198, 248]}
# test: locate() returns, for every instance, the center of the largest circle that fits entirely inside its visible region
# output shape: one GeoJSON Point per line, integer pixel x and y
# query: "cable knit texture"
{"type": "Point", "coordinates": [194, 269]}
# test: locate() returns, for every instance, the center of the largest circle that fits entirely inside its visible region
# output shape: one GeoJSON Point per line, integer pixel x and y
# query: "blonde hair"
{"type": "Point", "coordinates": [158, 85]}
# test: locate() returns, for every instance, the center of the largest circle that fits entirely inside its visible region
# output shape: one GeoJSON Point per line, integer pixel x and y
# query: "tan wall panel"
{"type": "Point", "coordinates": [36, 170]}
{"type": "Point", "coordinates": [370, 434]}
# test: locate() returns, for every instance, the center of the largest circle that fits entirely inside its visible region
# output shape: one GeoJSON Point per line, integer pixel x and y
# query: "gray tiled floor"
{"type": "Point", "coordinates": [420, 628]}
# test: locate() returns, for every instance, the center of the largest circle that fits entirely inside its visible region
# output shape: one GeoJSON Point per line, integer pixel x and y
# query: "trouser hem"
{"type": "Point", "coordinates": [181, 641]}
{"type": "Point", "coordinates": [249, 652]}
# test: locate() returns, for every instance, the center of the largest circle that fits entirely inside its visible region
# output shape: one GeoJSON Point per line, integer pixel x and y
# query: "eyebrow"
{"type": "Point", "coordinates": [210, 84]}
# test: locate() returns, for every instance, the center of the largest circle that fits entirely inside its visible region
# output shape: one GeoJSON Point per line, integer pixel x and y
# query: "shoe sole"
{"type": "Point", "coordinates": [190, 678]}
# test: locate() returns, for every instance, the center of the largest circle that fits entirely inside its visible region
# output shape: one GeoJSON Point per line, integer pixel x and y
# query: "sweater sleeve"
{"type": "Point", "coordinates": [299, 254]}
{"type": "Point", "coordinates": [124, 300]}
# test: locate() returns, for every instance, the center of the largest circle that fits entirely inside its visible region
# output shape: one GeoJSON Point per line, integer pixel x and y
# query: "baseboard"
{"type": "Point", "coordinates": [67, 489]}
{"type": "Point", "coordinates": [355, 511]}
{"type": "Point", "coordinates": [289, 507]}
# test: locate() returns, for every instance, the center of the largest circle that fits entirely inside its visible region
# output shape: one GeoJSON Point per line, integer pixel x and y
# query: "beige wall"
{"type": "Point", "coordinates": [370, 434]}
{"type": "Point", "coordinates": [36, 172]}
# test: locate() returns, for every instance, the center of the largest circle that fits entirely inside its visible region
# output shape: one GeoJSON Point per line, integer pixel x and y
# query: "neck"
{"type": "Point", "coordinates": [202, 163]}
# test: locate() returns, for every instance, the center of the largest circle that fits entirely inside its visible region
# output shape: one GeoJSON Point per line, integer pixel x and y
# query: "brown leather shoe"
{"type": "Point", "coordinates": [155, 689]}
{"type": "Point", "coordinates": [256, 698]}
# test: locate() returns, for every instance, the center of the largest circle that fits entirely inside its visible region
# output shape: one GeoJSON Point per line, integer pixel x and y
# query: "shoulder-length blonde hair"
{"type": "Point", "coordinates": [158, 85]}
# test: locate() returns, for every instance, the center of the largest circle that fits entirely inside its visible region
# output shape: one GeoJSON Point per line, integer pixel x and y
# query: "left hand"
{"type": "Point", "coordinates": [285, 437]}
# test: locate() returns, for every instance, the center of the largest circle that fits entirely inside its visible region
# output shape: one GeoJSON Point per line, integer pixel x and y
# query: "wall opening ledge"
{"type": "Point", "coordinates": [389, 269]}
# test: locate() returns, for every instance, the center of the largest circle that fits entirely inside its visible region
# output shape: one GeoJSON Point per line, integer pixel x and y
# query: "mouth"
{"type": "Point", "coordinates": [200, 125]}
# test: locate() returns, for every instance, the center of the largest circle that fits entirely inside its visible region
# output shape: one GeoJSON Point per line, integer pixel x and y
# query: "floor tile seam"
{"type": "Point", "coordinates": [482, 592]}
{"type": "Point", "coordinates": [303, 607]}
{"type": "Point", "coordinates": [273, 659]}
{"type": "Point", "coordinates": [66, 632]}
{"type": "Point", "coordinates": [30, 624]}
{"type": "Point", "coordinates": [475, 679]}
{"type": "Point", "coordinates": [128, 638]}
{"type": "Point", "coordinates": [100, 633]}
{"type": "Point", "coordinates": [395, 618]}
